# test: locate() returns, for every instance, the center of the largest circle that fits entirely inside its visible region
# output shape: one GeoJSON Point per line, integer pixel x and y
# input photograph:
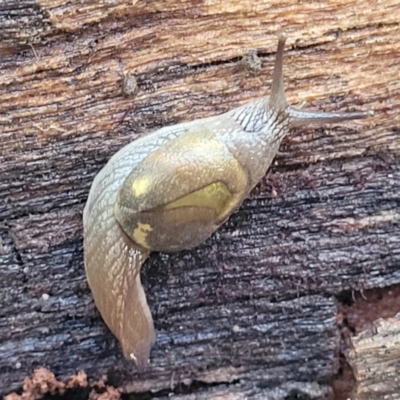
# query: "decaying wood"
{"type": "Point", "coordinates": [252, 313]}
{"type": "Point", "coordinates": [375, 359]}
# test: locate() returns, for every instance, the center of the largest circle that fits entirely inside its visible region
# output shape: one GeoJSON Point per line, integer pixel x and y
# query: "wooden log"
{"type": "Point", "coordinates": [252, 312]}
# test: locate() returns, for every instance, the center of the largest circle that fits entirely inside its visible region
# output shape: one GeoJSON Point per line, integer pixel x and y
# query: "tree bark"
{"type": "Point", "coordinates": [253, 312]}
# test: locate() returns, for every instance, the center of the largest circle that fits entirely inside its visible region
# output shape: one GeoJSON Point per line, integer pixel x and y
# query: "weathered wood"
{"type": "Point", "coordinates": [252, 312]}
{"type": "Point", "coordinates": [375, 359]}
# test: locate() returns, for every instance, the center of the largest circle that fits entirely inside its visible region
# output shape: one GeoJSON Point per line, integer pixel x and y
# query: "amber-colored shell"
{"type": "Point", "coordinates": [181, 193]}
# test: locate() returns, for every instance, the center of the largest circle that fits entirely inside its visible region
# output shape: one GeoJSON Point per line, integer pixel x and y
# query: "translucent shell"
{"type": "Point", "coordinates": [180, 194]}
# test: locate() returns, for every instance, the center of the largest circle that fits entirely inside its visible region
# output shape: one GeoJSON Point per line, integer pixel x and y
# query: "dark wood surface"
{"type": "Point", "coordinates": [253, 312]}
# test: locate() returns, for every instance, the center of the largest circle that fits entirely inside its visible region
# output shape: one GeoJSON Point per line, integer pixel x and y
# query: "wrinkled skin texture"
{"type": "Point", "coordinates": [169, 191]}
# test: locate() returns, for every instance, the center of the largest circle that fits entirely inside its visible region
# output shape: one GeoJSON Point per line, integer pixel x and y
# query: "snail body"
{"type": "Point", "coordinates": [169, 191]}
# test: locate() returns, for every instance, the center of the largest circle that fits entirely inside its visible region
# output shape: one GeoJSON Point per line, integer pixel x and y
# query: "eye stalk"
{"type": "Point", "coordinates": [297, 116]}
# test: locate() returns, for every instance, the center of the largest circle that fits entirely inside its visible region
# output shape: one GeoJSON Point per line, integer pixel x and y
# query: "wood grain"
{"type": "Point", "coordinates": [252, 312]}
{"type": "Point", "coordinates": [374, 356]}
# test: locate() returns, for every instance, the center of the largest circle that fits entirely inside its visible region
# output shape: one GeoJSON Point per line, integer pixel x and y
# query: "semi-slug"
{"type": "Point", "coordinates": [169, 191]}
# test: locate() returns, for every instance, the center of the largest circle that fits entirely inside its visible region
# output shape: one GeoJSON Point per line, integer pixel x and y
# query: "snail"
{"type": "Point", "coordinates": [169, 191]}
